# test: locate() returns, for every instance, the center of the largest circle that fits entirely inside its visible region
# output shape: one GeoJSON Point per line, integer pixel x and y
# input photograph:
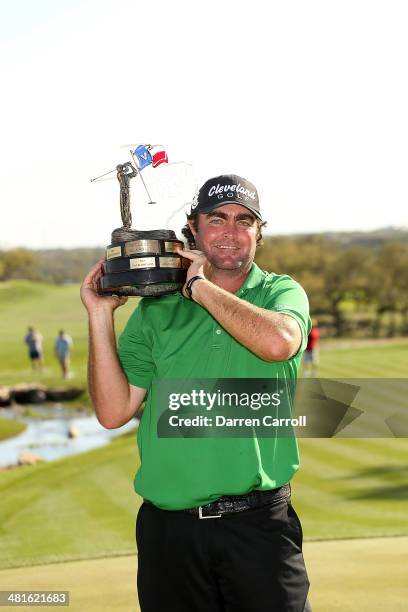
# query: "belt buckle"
{"type": "Point", "coordinates": [211, 516]}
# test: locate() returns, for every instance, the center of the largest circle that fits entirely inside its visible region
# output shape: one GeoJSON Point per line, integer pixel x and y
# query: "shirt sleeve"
{"type": "Point", "coordinates": [135, 351]}
{"type": "Point", "coordinates": [286, 296]}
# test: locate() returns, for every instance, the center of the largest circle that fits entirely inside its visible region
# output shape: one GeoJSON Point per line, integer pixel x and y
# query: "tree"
{"type": "Point", "coordinates": [329, 273]}
{"type": "Point", "coordinates": [18, 263]}
{"type": "Point", "coordinates": [389, 286]}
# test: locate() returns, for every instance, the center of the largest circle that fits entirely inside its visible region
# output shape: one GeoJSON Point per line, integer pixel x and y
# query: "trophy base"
{"type": "Point", "coordinates": [143, 264]}
{"type": "Point", "coordinates": [155, 290]}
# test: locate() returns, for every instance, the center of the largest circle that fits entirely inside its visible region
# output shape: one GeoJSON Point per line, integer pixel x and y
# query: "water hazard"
{"type": "Point", "coordinates": [49, 437]}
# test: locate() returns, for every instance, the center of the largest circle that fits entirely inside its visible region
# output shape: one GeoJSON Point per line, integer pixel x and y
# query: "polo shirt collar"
{"type": "Point", "coordinates": [254, 278]}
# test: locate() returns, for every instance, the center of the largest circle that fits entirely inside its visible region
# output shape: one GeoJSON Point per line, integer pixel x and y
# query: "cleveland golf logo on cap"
{"type": "Point", "coordinates": [235, 188]}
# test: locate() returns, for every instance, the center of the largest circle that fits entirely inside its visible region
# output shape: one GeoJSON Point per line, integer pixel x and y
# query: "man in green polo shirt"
{"type": "Point", "coordinates": [233, 321]}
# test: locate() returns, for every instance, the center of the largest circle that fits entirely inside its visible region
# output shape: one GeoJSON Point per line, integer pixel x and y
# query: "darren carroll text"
{"type": "Point", "coordinates": [222, 421]}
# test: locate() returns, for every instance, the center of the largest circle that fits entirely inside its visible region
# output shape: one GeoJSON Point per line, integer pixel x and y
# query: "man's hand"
{"type": "Point", "coordinates": [200, 266]}
{"type": "Point", "coordinates": [270, 335]}
{"type": "Point", "coordinates": [90, 297]}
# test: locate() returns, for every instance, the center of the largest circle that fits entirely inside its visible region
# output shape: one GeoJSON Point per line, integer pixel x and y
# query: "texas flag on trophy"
{"type": "Point", "coordinates": [159, 156]}
{"type": "Point", "coordinates": [143, 155]}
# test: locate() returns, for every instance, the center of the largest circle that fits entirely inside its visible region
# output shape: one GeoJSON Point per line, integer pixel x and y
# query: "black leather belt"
{"type": "Point", "coordinates": [238, 503]}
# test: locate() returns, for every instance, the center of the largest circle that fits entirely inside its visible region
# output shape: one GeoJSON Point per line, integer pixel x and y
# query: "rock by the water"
{"type": "Point", "coordinates": [28, 393]}
{"type": "Point", "coordinates": [5, 396]}
{"type": "Point", "coordinates": [60, 394]}
{"type": "Point", "coordinates": [27, 458]}
{"type": "Point", "coordinates": [35, 393]}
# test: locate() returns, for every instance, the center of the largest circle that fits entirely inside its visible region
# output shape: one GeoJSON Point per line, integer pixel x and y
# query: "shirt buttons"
{"type": "Point", "coordinates": [218, 331]}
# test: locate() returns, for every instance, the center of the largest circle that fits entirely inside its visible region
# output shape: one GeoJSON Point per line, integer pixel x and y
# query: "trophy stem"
{"type": "Point", "coordinates": [147, 191]}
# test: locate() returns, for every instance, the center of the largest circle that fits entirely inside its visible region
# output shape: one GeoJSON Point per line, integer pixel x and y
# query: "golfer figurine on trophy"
{"type": "Point", "coordinates": [141, 263]}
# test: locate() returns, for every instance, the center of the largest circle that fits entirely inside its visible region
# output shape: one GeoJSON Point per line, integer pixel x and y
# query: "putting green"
{"type": "Point", "coordinates": [364, 575]}
{"type": "Point", "coordinates": [361, 575]}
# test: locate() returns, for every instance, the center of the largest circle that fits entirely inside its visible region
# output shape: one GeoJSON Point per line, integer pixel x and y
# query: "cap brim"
{"type": "Point", "coordinates": [209, 209]}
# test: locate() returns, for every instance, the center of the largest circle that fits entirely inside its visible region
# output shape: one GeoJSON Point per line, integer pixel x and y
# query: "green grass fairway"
{"type": "Point", "coordinates": [78, 507]}
{"type": "Point", "coordinates": [48, 308]}
{"type": "Point", "coordinates": [364, 359]}
{"type": "Point", "coordinates": [345, 576]}
{"type": "Point", "coordinates": [352, 488]}
{"type": "Point", "coordinates": [84, 506]}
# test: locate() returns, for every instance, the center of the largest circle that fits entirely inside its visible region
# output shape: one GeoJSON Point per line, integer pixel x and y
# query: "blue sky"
{"type": "Point", "coordinates": [306, 99]}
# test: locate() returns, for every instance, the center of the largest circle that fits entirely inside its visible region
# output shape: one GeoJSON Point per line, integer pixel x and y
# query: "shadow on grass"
{"type": "Point", "coordinates": [395, 485]}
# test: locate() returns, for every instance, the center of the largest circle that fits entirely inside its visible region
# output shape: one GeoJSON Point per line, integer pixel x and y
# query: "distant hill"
{"type": "Point", "coordinates": [370, 239]}
{"type": "Point", "coordinates": [63, 266]}
{"type": "Point", "coordinates": [66, 265]}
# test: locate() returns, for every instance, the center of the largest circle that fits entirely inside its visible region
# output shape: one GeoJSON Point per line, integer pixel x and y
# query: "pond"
{"type": "Point", "coordinates": [48, 437]}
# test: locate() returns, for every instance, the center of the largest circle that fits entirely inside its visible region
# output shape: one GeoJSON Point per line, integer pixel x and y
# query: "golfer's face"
{"type": "Point", "coordinates": [227, 236]}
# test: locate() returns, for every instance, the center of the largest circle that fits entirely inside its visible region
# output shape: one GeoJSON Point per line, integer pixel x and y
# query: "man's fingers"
{"type": "Point", "coordinates": [192, 255]}
{"type": "Point", "coordinates": [188, 255]}
{"type": "Point", "coordinates": [94, 270]}
{"type": "Point", "coordinates": [94, 273]}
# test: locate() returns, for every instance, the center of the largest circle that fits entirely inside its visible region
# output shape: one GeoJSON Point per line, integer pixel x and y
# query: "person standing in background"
{"type": "Point", "coordinates": [63, 347]}
{"type": "Point", "coordinates": [311, 355]}
{"type": "Point", "coordinates": [34, 340]}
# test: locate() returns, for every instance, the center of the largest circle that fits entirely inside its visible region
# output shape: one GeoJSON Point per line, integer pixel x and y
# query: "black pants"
{"type": "Point", "coordinates": [247, 561]}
